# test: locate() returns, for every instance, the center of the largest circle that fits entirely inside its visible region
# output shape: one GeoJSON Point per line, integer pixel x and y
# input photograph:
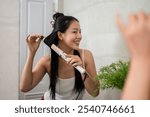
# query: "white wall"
{"type": "Point", "coordinates": [9, 49]}
{"type": "Point", "coordinates": [100, 35]}
{"type": "Point", "coordinates": [97, 20]}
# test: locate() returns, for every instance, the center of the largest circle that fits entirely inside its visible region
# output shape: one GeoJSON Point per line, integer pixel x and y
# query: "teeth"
{"type": "Point", "coordinates": [77, 42]}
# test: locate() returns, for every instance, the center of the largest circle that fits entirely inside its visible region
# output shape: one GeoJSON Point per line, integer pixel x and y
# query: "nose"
{"type": "Point", "coordinates": [79, 36]}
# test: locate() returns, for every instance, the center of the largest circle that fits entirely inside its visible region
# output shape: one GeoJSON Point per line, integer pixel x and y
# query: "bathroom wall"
{"type": "Point", "coordinates": [9, 49]}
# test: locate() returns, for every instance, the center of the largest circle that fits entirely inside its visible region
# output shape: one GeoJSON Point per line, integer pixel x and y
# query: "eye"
{"type": "Point", "coordinates": [74, 31]}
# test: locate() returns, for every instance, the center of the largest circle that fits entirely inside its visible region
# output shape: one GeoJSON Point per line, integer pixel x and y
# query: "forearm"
{"type": "Point", "coordinates": [92, 86]}
{"type": "Point", "coordinates": [27, 76]}
{"type": "Point", "coordinates": [138, 81]}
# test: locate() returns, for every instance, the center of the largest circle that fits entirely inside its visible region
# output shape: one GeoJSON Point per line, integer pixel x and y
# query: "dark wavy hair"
{"type": "Point", "coordinates": [61, 23]}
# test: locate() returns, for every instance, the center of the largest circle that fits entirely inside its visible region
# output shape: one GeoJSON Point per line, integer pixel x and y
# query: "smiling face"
{"type": "Point", "coordinates": [72, 37]}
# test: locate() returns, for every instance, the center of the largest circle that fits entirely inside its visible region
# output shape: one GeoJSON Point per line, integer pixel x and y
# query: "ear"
{"type": "Point", "coordinates": [60, 35]}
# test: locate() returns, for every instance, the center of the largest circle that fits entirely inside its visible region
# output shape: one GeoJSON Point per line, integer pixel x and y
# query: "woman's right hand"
{"type": "Point", "coordinates": [33, 42]}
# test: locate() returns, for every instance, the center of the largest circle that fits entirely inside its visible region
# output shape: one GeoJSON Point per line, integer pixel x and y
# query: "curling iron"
{"type": "Point", "coordinates": [63, 56]}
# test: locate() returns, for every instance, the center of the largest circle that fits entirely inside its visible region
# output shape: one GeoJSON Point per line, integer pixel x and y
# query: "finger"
{"type": "Point", "coordinates": [27, 39]}
{"type": "Point", "coordinates": [120, 24]}
{"type": "Point", "coordinates": [33, 37]}
{"type": "Point", "coordinates": [68, 59]}
{"type": "Point", "coordinates": [142, 19]}
{"type": "Point", "coordinates": [69, 55]}
{"type": "Point", "coordinates": [132, 19]}
{"type": "Point", "coordinates": [38, 39]}
{"type": "Point", "coordinates": [142, 15]}
{"type": "Point", "coordinates": [73, 61]}
{"type": "Point", "coordinates": [75, 64]}
{"type": "Point", "coordinates": [73, 56]}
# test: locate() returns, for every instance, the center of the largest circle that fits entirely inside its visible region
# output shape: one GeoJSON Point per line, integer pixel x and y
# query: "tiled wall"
{"type": "Point", "coordinates": [9, 49]}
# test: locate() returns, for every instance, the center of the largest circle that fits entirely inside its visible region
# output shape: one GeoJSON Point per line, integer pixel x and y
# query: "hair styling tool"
{"type": "Point", "coordinates": [63, 56]}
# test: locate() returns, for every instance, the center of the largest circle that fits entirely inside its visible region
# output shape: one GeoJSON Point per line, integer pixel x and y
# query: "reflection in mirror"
{"type": "Point", "coordinates": [96, 19]}
{"type": "Point", "coordinates": [99, 35]}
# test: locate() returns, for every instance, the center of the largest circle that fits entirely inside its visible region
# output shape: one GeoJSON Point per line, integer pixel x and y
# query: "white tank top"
{"type": "Point", "coordinates": [65, 88]}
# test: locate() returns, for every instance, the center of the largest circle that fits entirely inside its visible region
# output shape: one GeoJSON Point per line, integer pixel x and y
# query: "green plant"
{"type": "Point", "coordinates": [113, 76]}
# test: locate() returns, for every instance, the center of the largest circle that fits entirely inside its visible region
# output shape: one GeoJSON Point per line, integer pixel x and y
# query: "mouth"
{"type": "Point", "coordinates": [77, 42]}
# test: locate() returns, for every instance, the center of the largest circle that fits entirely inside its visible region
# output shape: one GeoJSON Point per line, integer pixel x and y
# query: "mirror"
{"type": "Point", "coordinates": [99, 35]}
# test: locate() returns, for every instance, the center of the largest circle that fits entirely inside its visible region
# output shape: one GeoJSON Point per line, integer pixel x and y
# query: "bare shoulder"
{"type": "Point", "coordinates": [45, 61]}
{"type": "Point", "coordinates": [87, 53]}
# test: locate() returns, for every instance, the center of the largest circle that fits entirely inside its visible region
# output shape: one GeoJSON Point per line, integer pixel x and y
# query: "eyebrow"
{"type": "Point", "coordinates": [76, 29]}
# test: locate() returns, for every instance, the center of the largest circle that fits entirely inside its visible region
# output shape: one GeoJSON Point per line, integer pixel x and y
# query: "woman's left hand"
{"type": "Point", "coordinates": [74, 60]}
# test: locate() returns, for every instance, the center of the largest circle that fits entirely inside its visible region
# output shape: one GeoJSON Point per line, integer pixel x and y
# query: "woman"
{"type": "Point", "coordinates": [65, 81]}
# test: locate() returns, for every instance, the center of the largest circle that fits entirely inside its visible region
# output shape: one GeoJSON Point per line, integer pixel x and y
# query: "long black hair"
{"type": "Point", "coordinates": [61, 23]}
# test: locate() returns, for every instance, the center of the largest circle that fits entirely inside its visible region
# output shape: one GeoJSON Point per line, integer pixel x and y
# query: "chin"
{"type": "Point", "coordinates": [76, 47]}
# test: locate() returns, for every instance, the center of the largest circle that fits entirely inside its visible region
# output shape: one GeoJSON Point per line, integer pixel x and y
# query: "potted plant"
{"type": "Point", "coordinates": [113, 76]}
